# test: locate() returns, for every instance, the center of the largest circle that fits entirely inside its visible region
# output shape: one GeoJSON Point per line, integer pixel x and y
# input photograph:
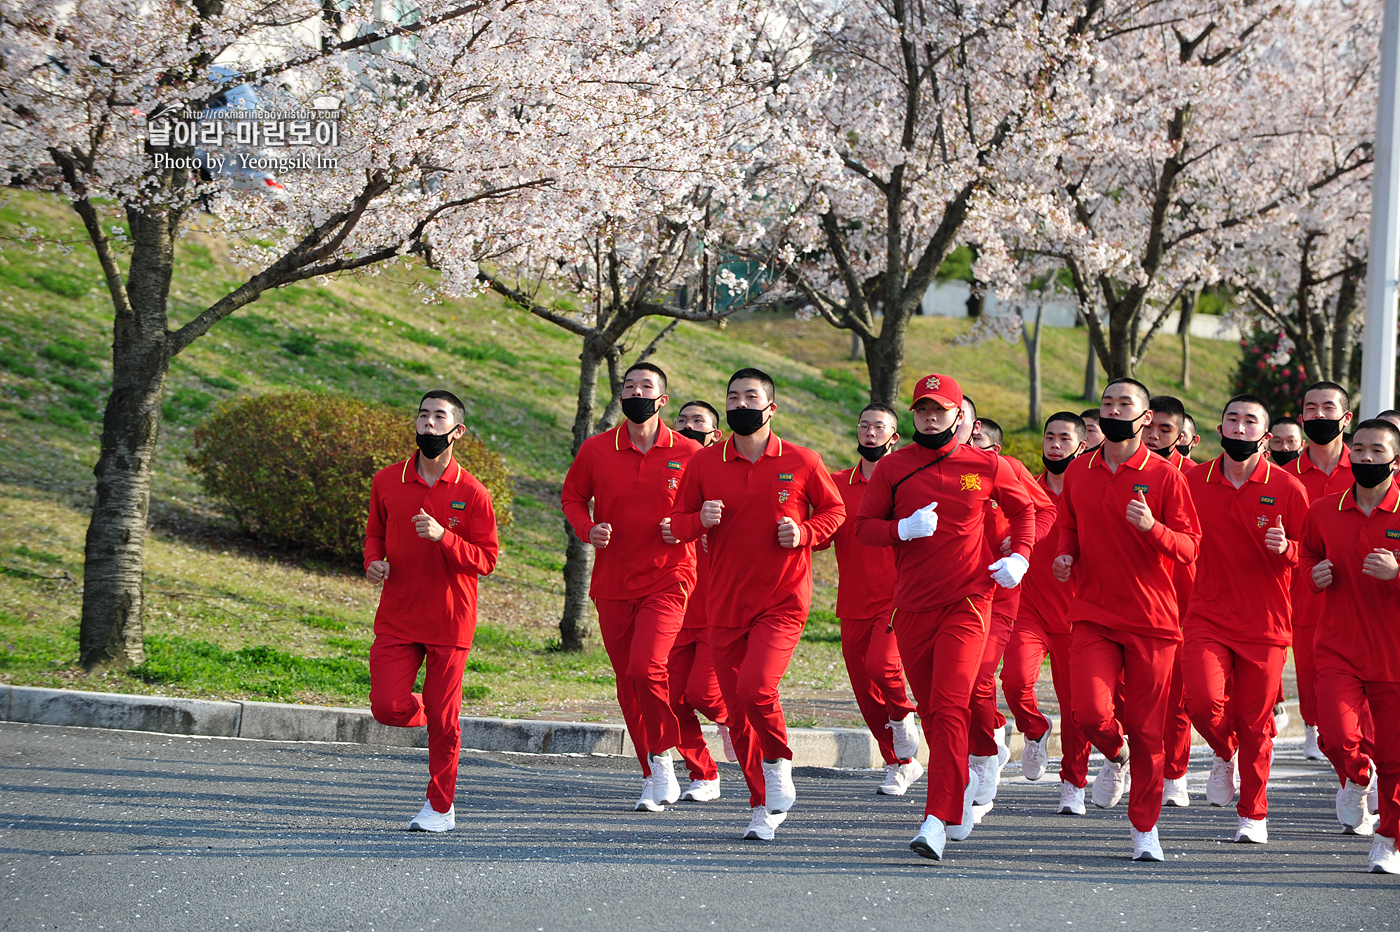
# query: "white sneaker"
{"type": "Point", "coordinates": [1223, 782]}
{"type": "Point", "coordinates": [963, 829]}
{"type": "Point", "coordinates": [729, 753]}
{"type": "Point", "coordinates": [429, 819]}
{"type": "Point", "coordinates": [933, 837]}
{"type": "Point", "coordinates": [1035, 756]}
{"type": "Point", "coordinates": [1351, 807]}
{"type": "Point", "coordinates": [1174, 793]}
{"type": "Point", "coordinates": [1310, 749]}
{"type": "Point", "coordinates": [1253, 831]}
{"type": "Point", "coordinates": [1003, 754]}
{"type": "Point", "coordinates": [1280, 718]}
{"type": "Point", "coordinates": [981, 812]}
{"type": "Point", "coordinates": [665, 788]}
{"type": "Point", "coordinates": [985, 769]}
{"type": "Point", "coordinates": [1373, 794]}
{"type": "Point", "coordinates": [762, 824]}
{"type": "Point", "coordinates": [1071, 799]}
{"type": "Point", "coordinates": [905, 735]}
{"type": "Point", "coordinates": [701, 791]}
{"type": "Point", "coordinates": [645, 803]}
{"type": "Point", "coordinates": [1384, 858]}
{"type": "Point", "coordinates": [899, 777]}
{"type": "Point", "coordinates": [1146, 847]}
{"type": "Point", "coordinates": [1113, 781]}
{"type": "Point", "coordinates": [778, 792]}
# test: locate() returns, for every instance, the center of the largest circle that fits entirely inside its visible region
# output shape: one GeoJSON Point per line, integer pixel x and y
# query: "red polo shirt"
{"type": "Point", "coordinates": [430, 595]}
{"type": "Point", "coordinates": [951, 564]}
{"type": "Point", "coordinates": [1125, 576]}
{"type": "Point", "coordinates": [1242, 588]}
{"type": "Point", "coordinates": [1359, 631]}
{"type": "Point", "coordinates": [751, 575]}
{"type": "Point", "coordinates": [1045, 599]}
{"type": "Point", "coordinates": [867, 574]}
{"type": "Point", "coordinates": [996, 528]}
{"type": "Point", "coordinates": [632, 491]}
{"type": "Point", "coordinates": [1307, 603]}
{"type": "Point", "coordinates": [1183, 463]}
{"type": "Point", "coordinates": [695, 616]}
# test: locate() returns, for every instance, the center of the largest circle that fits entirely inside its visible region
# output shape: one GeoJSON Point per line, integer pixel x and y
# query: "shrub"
{"type": "Point", "coordinates": [1280, 385]}
{"type": "Point", "coordinates": [297, 467]}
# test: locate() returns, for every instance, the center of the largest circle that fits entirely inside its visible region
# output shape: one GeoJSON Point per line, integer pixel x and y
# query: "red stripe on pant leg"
{"type": "Point", "coordinates": [772, 639]}
{"type": "Point", "coordinates": [1341, 708]}
{"type": "Point", "coordinates": [727, 647]}
{"type": "Point", "coordinates": [1177, 740]}
{"type": "Point", "coordinates": [1305, 669]}
{"type": "Point", "coordinates": [986, 717]}
{"type": "Point", "coordinates": [1384, 700]}
{"type": "Point", "coordinates": [442, 706]}
{"type": "Point", "coordinates": [855, 647]}
{"type": "Point", "coordinates": [691, 744]}
{"type": "Point", "coordinates": [658, 620]}
{"type": "Point", "coordinates": [1074, 745]}
{"type": "Point", "coordinates": [1020, 670]}
{"type": "Point", "coordinates": [1258, 669]}
{"type": "Point", "coordinates": [942, 652]}
{"type": "Point", "coordinates": [616, 623]}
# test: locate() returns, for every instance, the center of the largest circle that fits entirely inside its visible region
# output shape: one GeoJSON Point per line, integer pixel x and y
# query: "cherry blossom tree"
{"type": "Point", "coordinates": [468, 131]}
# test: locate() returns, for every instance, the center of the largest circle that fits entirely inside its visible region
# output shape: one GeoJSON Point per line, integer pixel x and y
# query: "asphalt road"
{"type": "Point", "coordinates": [125, 830]}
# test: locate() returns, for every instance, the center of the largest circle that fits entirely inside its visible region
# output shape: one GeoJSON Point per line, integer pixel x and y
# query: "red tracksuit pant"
{"type": "Point", "coordinates": [1020, 669]}
{"type": "Point", "coordinates": [1230, 689]}
{"type": "Point", "coordinates": [1305, 669]}
{"type": "Point", "coordinates": [750, 663]}
{"type": "Point", "coordinates": [871, 653]}
{"type": "Point", "coordinates": [638, 634]}
{"type": "Point", "coordinates": [986, 717]}
{"type": "Point", "coordinates": [393, 666]}
{"type": "Point", "coordinates": [942, 652]}
{"type": "Point", "coordinates": [695, 688]}
{"type": "Point", "coordinates": [1177, 738]}
{"type": "Point", "coordinates": [1358, 722]}
{"type": "Point", "coordinates": [1100, 659]}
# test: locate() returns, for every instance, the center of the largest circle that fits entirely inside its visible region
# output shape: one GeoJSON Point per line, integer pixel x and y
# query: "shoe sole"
{"type": "Point", "coordinates": [925, 850]}
{"type": "Point", "coordinates": [415, 827]}
{"type": "Point", "coordinates": [643, 807]}
{"type": "Point", "coordinates": [890, 791]}
{"type": "Point", "coordinates": [1246, 840]}
{"type": "Point", "coordinates": [1381, 869]}
{"type": "Point", "coordinates": [1178, 803]}
{"type": "Point", "coordinates": [1068, 811]}
{"type": "Point", "coordinates": [755, 836]}
{"type": "Point", "coordinates": [1150, 858]}
{"type": "Point", "coordinates": [687, 798]}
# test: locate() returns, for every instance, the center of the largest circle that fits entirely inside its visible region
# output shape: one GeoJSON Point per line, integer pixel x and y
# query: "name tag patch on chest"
{"type": "Point", "coordinates": [784, 477]}
{"type": "Point", "coordinates": [459, 506]}
{"type": "Point", "coordinates": [969, 482]}
{"type": "Point", "coordinates": [1266, 499]}
{"type": "Point", "coordinates": [1392, 534]}
{"type": "Point", "coordinates": [672, 464]}
{"type": "Point", "coordinates": [1141, 488]}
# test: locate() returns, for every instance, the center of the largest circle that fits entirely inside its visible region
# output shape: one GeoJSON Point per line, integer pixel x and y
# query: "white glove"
{"type": "Point", "coordinates": [1008, 571]}
{"type": "Point", "coordinates": [921, 523]}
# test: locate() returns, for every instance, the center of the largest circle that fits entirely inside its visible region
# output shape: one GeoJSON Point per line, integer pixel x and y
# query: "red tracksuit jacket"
{"type": "Point", "coordinates": [751, 575]}
{"type": "Point", "coordinates": [951, 564]}
{"type": "Point", "coordinates": [430, 595]}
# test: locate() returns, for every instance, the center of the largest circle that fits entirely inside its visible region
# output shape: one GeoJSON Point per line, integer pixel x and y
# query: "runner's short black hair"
{"type": "Point", "coordinates": [1089, 414]}
{"type": "Point", "coordinates": [1072, 419]}
{"type": "Point", "coordinates": [1247, 399]}
{"type": "Point", "coordinates": [991, 430]}
{"type": "Point", "coordinates": [1333, 386]}
{"type": "Point", "coordinates": [1142, 389]}
{"type": "Point", "coordinates": [1391, 432]}
{"type": "Point", "coordinates": [1170, 407]}
{"type": "Point", "coordinates": [1191, 422]}
{"type": "Point", "coordinates": [967, 400]}
{"type": "Point", "coordinates": [1284, 421]}
{"type": "Point", "coordinates": [764, 379]}
{"type": "Point", "coordinates": [714, 415]}
{"type": "Point", "coordinates": [459, 410]}
{"type": "Point", "coordinates": [883, 409]}
{"type": "Point", "coordinates": [647, 367]}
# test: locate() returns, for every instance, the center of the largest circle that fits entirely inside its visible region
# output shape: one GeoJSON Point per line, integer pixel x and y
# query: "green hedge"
{"type": "Point", "coordinates": [297, 466]}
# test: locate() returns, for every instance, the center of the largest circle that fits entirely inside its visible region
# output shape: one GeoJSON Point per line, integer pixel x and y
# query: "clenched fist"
{"type": "Point", "coordinates": [428, 527]}
{"type": "Point", "coordinates": [1061, 567]}
{"type": "Point", "coordinates": [377, 571]}
{"type": "Point", "coordinates": [711, 512]}
{"type": "Point", "coordinates": [789, 532]}
{"type": "Point", "coordinates": [600, 535]}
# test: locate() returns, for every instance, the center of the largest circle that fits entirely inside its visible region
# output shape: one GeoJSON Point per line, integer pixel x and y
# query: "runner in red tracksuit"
{"type": "Point", "coordinates": [431, 532]}
{"type": "Point", "coordinates": [1324, 468]}
{"type": "Point", "coordinates": [762, 504]}
{"type": "Point", "coordinates": [1350, 543]}
{"type": "Point", "coordinates": [1042, 630]}
{"type": "Point", "coordinates": [691, 668]}
{"type": "Point", "coordinates": [642, 575]}
{"type": "Point", "coordinates": [864, 601]}
{"type": "Point", "coordinates": [1126, 518]}
{"type": "Point", "coordinates": [927, 502]}
{"type": "Point", "coordinates": [1238, 626]}
{"type": "Point", "coordinates": [986, 743]}
{"type": "Point", "coordinates": [1164, 436]}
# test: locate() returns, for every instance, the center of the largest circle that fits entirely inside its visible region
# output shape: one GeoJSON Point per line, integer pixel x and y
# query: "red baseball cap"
{"type": "Point", "coordinates": [943, 389]}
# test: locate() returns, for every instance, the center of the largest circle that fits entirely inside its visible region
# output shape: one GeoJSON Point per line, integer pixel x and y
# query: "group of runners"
{"type": "Point", "coordinates": [1164, 592]}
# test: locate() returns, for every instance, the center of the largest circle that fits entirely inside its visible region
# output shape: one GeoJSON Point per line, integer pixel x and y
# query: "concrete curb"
{"type": "Point", "coordinates": [270, 721]}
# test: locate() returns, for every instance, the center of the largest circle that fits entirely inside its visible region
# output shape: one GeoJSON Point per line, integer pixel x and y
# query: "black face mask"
{"type": "Point", "coordinates": [1116, 430]}
{"type": "Point", "coordinates": [871, 454]}
{"type": "Point", "coordinates": [744, 421]}
{"type": "Point", "coordinates": [699, 436]}
{"type": "Point", "coordinates": [1370, 475]}
{"type": "Point", "coordinates": [1322, 430]}
{"type": "Point", "coordinates": [639, 410]}
{"type": "Point", "coordinates": [1239, 450]}
{"type": "Point", "coordinates": [1056, 467]}
{"type": "Point", "coordinates": [1164, 453]}
{"type": "Point", "coordinates": [432, 445]}
{"type": "Point", "coordinates": [935, 441]}
{"type": "Point", "coordinates": [1184, 449]}
{"type": "Point", "coordinates": [1284, 457]}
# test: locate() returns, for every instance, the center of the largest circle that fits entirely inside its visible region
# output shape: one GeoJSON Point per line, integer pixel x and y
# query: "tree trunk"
{"type": "Point", "coordinates": [1341, 329]}
{"type": "Point", "coordinates": [1091, 375]}
{"type": "Point", "coordinates": [857, 347]}
{"type": "Point", "coordinates": [578, 555]}
{"type": "Point", "coordinates": [884, 360]}
{"type": "Point", "coordinates": [1032, 343]}
{"type": "Point", "coordinates": [1183, 327]}
{"type": "Point", "coordinates": [110, 631]}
